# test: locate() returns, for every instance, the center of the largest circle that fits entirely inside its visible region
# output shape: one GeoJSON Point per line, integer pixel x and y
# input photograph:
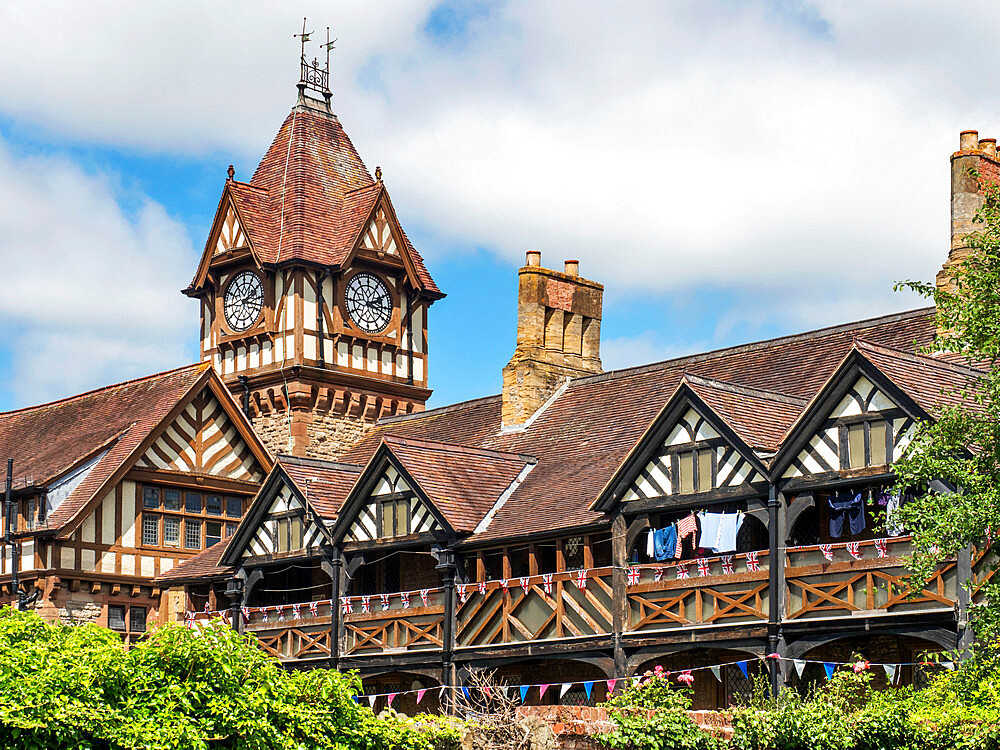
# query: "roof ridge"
{"type": "Point", "coordinates": [441, 445]}
{"type": "Point", "coordinates": [723, 385]}
{"type": "Point", "coordinates": [104, 388]}
{"type": "Point", "coordinates": [397, 418]}
{"type": "Point", "coordinates": [922, 359]}
{"type": "Point", "coordinates": [312, 462]}
{"type": "Point", "coordinates": [242, 183]}
{"type": "Point", "coordinates": [374, 183]}
{"type": "Point", "coordinates": [754, 345]}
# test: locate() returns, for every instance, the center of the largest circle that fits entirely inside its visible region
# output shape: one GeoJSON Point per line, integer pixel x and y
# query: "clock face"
{"type": "Point", "coordinates": [368, 302]}
{"type": "Point", "coordinates": [244, 300]}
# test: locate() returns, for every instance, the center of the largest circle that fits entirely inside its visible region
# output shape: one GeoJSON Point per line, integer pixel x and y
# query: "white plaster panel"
{"type": "Point", "coordinates": [88, 559]}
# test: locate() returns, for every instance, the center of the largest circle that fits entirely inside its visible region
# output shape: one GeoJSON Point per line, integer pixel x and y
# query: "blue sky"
{"type": "Point", "coordinates": [730, 171]}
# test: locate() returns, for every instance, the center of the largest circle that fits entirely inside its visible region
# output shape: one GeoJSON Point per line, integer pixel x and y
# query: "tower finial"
{"type": "Point", "coordinates": [230, 173]}
{"type": "Point", "coordinates": [312, 75]}
{"type": "Point", "coordinates": [378, 174]}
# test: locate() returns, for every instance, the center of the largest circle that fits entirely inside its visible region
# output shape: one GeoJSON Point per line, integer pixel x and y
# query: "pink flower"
{"type": "Point", "coordinates": [686, 677]}
{"type": "Point", "coordinates": [861, 666]}
{"type": "Point", "coordinates": [658, 670]}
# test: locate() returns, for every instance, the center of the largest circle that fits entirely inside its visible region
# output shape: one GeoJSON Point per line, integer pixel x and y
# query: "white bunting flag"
{"type": "Point", "coordinates": [717, 671]}
{"type": "Point", "coordinates": [890, 672]}
{"type": "Point", "coordinates": [371, 700]}
{"type": "Point", "coordinates": [800, 665]}
{"type": "Point", "coordinates": [564, 688]}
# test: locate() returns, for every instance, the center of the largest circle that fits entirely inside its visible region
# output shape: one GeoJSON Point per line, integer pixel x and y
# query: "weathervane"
{"type": "Point", "coordinates": [313, 76]}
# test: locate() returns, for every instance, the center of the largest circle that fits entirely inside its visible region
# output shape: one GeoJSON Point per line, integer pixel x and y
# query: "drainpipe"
{"type": "Point", "coordinates": [245, 382]}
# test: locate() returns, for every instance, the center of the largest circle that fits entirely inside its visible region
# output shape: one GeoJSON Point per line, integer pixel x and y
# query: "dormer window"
{"type": "Point", "coordinates": [395, 517]}
{"type": "Point", "coordinates": [865, 443]}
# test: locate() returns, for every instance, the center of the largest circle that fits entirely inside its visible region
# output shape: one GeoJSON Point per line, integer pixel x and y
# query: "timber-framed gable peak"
{"type": "Point", "coordinates": [231, 236]}
{"type": "Point", "coordinates": [444, 491]}
{"type": "Point", "coordinates": [726, 432]}
{"type": "Point", "coordinates": [878, 394]}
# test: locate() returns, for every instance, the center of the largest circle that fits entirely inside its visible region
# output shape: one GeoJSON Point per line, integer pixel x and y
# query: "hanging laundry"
{"type": "Point", "coordinates": [849, 506]}
{"type": "Point", "coordinates": [665, 542]}
{"type": "Point", "coordinates": [686, 527]}
{"type": "Point", "coordinates": [893, 524]}
{"type": "Point", "coordinates": [650, 543]}
{"type": "Point", "coordinates": [729, 526]}
{"type": "Point", "coordinates": [709, 538]}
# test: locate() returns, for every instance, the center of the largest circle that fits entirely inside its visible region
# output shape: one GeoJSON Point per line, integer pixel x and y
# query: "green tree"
{"type": "Point", "coordinates": [77, 687]}
{"type": "Point", "coordinates": [962, 445]}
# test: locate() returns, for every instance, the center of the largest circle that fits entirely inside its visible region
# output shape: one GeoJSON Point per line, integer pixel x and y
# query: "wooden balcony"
{"type": "Point", "coordinates": [722, 594]}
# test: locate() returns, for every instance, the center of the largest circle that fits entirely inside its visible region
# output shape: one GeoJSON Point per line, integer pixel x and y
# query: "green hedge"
{"type": "Point", "coordinates": [77, 687]}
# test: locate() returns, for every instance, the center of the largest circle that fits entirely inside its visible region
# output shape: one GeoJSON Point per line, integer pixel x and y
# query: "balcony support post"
{"type": "Point", "coordinates": [333, 566]}
{"type": "Point", "coordinates": [776, 583]}
{"type": "Point", "coordinates": [963, 599]}
{"type": "Point", "coordinates": [446, 566]}
{"type": "Point", "coordinates": [619, 589]}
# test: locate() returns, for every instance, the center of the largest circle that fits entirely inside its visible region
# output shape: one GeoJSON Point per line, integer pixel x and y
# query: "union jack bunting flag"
{"type": "Point", "coordinates": [207, 610]}
{"type": "Point", "coordinates": [703, 569]}
{"type": "Point", "coordinates": [424, 593]}
{"type": "Point", "coordinates": [263, 614]}
{"type": "Point", "coordinates": [633, 576]}
{"type": "Point", "coordinates": [682, 570]}
{"type": "Point", "coordinates": [827, 550]}
{"type": "Point", "coordinates": [405, 596]}
{"type": "Point", "coordinates": [752, 563]}
{"type": "Point", "coordinates": [482, 587]}
{"type": "Point", "coordinates": [727, 565]}
{"type": "Point", "coordinates": [504, 583]}
{"type": "Point", "coordinates": [882, 547]}
{"type": "Point", "coordinates": [525, 584]}
{"type": "Point", "coordinates": [314, 609]}
{"type": "Point", "coordinates": [657, 574]}
{"type": "Point", "coordinates": [281, 612]}
{"type": "Point", "coordinates": [346, 605]}
{"type": "Point", "coordinates": [462, 596]}
{"type": "Point", "coordinates": [245, 612]}
{"type": "Point", "coordinates": [854, 549]}
{"type": "Point", "coordinates": [189, 617]}
{"type": "Point", "coordinates": [547, 583]}
{"type": "Point", "coordinates": [581, 579]}
{"type": "Point", "coordinates": [366, 604]}
{"type": "Point", "coordinates": [384, 601]}
{"type": "Point", "coordinates": [297, 611]}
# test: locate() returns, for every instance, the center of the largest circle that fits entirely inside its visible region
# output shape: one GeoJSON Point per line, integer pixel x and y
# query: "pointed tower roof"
{"type": "Point", "coordinates": [311, 197]}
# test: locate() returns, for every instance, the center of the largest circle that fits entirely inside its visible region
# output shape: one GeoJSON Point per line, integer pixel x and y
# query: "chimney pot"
{"type": "Point", "coordinates": [989, 147]}
{"type": "Point", "coordinates": [533, 258]}
{"type": "Point", "coordinates": [968, 140]}
{"type": "Point", "coordinates": [572, 268]}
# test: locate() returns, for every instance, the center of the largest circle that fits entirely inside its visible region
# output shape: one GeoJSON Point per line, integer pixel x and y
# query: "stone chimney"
{"type": "Point", "coordinates": [558, 335]}
{"type": "Point", "coordinates": [979, 154]}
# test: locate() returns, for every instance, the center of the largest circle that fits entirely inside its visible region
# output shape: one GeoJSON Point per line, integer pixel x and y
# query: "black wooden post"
{"type": "Point", "coordinates": [333, 566]}
{"type": "Point", "coordinates": [619, 590]}
{"type": "Point", "coordinates": [446, 565]}
{"type": "Point", "coordinates": [234, 592]}
{"type": "Point", "coordinates": [776, 568]}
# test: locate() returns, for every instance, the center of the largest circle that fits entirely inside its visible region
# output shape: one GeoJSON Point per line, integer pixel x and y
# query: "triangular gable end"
{"type": "Point", "coordinates": [284, 527]}
{"type": "Point", "coordinates": [833, 447]}
{"type": "Point", "coordinates": [393, 508]}
{"type": "Point", "coordinates": [662, 474]}
{"type": "Point", "coordinates": [204, 439]}
{"type": "Point", "coordinates": [229, 233]}
{"type": "Point", "coordinates": [382, 234]}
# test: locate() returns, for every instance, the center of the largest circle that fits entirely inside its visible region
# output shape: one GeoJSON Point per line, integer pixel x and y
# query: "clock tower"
{"type": "Point", "coordinates": [313, 300]}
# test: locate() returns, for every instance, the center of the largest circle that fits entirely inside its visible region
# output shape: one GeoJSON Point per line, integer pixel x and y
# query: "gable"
{"type": "Point", "coordinates": [230, 232]}
{"type": "Point", "coordinates": [378, 236]}
{"type": "Point", "coordinates": [391, 489]}
{"type": "Point", "coordinates": [829, 448]}
{"type": "Point", "coordinates": [202, 439]}
{"type": "Point", "coordinates": [284, 527]}
{"type": "Point", "coordinates": [662, 473]}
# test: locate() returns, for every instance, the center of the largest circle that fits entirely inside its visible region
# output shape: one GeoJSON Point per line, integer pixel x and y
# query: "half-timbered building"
{"type": "Point", "coordinates": [114, 487]}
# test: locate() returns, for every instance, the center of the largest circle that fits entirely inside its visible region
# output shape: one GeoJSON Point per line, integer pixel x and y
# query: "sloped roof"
{"type": "Point", "coordinates": [759, 417]}
{"type": "Point", "coordinates": [582, 437]}
{"type": "Point", "coordinates": [204, 564]}
{"type": "Point", "coordinates": [49, 440]}
{"type": "Point", "coordinates": [311, 195]}
{"type": "Point", "coordinates": [463, 483]}
{"type": "Point", "coordinates": [324, 484]}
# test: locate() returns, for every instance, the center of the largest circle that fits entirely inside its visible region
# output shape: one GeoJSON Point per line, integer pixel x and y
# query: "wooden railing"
{"type": "Point", "coordinates": [983, 560]}
{"type": "Point", "coordinates": [710, 599]}
{"type": "Point", "coordinates": [396, 628]}
{"type": "Point", "coordinates": [289, 637]}
{"type": "Point", "coordinates": [513, 614]}
{"type": "Point", "coordinates": [847, 586]}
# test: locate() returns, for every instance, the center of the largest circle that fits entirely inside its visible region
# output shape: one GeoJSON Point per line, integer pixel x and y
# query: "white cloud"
{"type": "Point", "coordinates": [792, 149]}
{"type": "Point", "coordinates": [91, 293]}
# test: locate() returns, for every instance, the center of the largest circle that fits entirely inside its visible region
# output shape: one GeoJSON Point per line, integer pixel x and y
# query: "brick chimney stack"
{"type": "Point", "coordinates": [558, 335]}
{"type": "Point", "coordinates": [979, 154]}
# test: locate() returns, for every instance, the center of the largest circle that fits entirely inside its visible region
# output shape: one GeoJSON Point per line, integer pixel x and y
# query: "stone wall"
{"type": "Point", "coordinates": [328, 434]}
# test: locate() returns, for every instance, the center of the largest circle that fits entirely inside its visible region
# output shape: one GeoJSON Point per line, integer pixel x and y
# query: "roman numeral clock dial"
{"type": "Point", "coordinates": [243, 301]}
{"type": "Point", "coordinates": [368, 302]}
